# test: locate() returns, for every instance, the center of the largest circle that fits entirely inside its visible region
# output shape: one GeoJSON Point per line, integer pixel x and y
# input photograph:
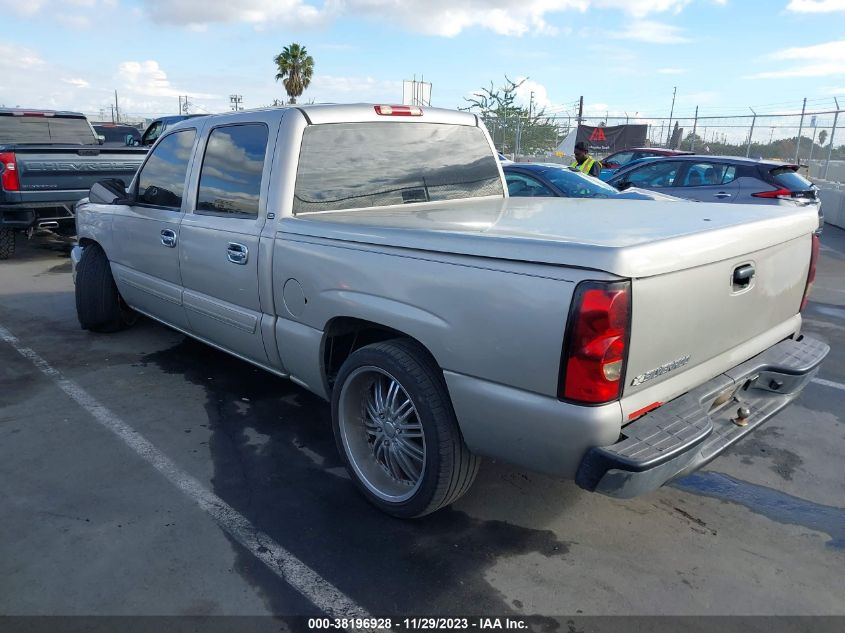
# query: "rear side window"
{"type": "Point", "coordinates": [162, 178]}
{"type": "Point", "coordinates": [357, 165]}
{"type": "Point", "coordinates": [230, 180]}
{"type": "Point", "coordinates": [44, 129]}
{"type": "Point", "coordinates": [785, 177]}
{"type": "Point", "coordinates": [709, 174]}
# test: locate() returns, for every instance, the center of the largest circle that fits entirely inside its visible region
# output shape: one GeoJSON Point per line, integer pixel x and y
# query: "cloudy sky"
{"type": "Point", "coordinates": [622, 55]}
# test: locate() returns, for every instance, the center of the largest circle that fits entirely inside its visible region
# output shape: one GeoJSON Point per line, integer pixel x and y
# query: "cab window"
{"type": "Point", "coordinates": [708, 174]}
{"type": "Point", "coordinates": [161, 181]}
{"type": "Point", "coordinates": [522, 186]}
{"type": "Point", "coordinates": [230, 180]}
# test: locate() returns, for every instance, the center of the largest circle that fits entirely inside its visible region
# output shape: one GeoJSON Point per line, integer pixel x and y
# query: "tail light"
{"type": "Point", "coordinates": [398, 110]}
{"type": "Point", "coordinates": [811, 275]}
{"type": "Point", "coordinates": [9, 172]}
{"type": "Point", "coordinates": [781, 194]}
{"type": "Point", "coordinates": [595, 348]}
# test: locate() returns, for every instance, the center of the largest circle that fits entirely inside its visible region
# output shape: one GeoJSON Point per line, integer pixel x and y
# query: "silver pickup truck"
{"type": "Point", "coordinates": [371, 255]}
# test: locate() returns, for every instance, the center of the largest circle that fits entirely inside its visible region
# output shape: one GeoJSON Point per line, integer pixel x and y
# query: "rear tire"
{"type": "Point", "coordinates": [99, 305]}
{"type": "Point", "coordinates": [396, 430]}
{"type": "Point", "coordinates": [7, 243]}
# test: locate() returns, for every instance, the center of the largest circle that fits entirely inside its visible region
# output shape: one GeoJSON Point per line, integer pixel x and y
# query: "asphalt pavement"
{"type": "Point", "coordinates": [144, 473]}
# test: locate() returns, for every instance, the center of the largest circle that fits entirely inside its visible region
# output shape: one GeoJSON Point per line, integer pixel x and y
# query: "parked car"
{"type": "Point", "coordinates": [503, 159]}
{"type": "Point", "coordinates": [531, 180]}
{"type": "Point", "coordinates": [607, 174]}
{"type": "Point", "coordinates": [117, 134]}
{"type": "Point", "coordinates": [723, 179]}
{"type": "Point", "coordinates": [371, 255]}
{"type": "Point", "coordinates": [157, 127]}
{"type": "Point", "coordinates": [48, 161]}
{"type": "Point", "coordinates": [610, 164]}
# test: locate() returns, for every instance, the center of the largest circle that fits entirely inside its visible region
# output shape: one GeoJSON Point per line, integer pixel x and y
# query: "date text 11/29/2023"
{"type": "Point", "coordinates": [418, 624]}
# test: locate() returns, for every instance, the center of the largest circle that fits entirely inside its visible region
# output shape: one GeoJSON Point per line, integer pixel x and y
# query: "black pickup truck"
{"type": "Point", "coordinates": [48, 161]}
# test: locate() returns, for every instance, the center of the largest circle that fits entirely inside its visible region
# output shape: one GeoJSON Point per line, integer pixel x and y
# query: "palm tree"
{"type": "Point", "coordinates": [295, 67]}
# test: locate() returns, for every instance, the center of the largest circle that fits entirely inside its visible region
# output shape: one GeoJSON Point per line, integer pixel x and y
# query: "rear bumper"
{"type": "Point", "coordinates": [688, 432]}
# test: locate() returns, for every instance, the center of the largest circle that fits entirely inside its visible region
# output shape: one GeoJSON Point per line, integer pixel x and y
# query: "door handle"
{"type": "Point", "coordinates": [168, 238]}
{"type": "Point", "coordinates": [722, 194]}
{"type": "Point", "coordinates": [237, 253]}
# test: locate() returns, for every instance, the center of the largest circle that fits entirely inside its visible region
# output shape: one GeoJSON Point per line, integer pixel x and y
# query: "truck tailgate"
{"type": "Point", "coordinates": [711, 317]}
{"type": "Point", "coordinates": [69, 168]}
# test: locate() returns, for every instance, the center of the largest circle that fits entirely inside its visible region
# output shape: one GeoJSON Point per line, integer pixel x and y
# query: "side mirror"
{"type": "Point", "coordinates": [101, 139]}
{"type": "Point", "coordinates": [625, 184]}
{"type": "Point", "coordinates": [109, 191]}
{"type": "Point", "coordinates": [129, 140]}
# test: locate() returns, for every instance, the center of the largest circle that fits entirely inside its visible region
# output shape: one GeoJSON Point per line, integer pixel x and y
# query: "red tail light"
{"type": "Point", "coordinates": [9, 172]}
{"type": "Point", "coordinates": [398, 110]}
{"type": "Point", "coordinates": [783, 194]}
{"type": "Point", "coordinates": [811, 275]}
{"type": "Point", "coordinates": [596, 345]}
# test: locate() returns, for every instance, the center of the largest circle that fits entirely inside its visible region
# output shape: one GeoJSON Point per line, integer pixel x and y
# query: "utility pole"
{"type": "Point", "coordinates": [116, 108]}
{"type": "Point", "coordinates": [235, 102]}
{"type": "Point", "coordinates": [832, 132]}
{"type": "Point", "coordinates": [800, 128]}
{"type": "Point", "coordinates": [580, 110]}
{"type": "Point", "coordinates": [671, 112]}
{"type": "Point", "coordinates": [112, 112]}
{"type": "Point", "coordinates": [751, 133]}
{"type": "Point", "coordinates": [530, 105]}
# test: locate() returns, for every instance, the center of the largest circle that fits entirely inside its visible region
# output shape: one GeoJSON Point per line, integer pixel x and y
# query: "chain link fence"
{"type": "Point", "coordinates": [815, 140]}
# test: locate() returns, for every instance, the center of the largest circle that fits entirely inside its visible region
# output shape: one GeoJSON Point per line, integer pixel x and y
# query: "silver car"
{"type": "Point", "coordinates": [723, 179]}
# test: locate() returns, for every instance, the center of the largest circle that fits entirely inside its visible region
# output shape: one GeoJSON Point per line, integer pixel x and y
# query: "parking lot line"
{"type": "Point", "coordinates": [281, 562]}
{"type": "Point", "coordinates": [828, 383]}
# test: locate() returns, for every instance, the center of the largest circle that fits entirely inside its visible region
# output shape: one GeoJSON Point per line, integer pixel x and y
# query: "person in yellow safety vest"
{"type": "Point", "coordinates": [583, 162]}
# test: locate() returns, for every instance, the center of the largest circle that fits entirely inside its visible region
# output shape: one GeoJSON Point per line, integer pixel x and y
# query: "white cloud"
{"type": "Point", "coordinates": [328, 88]}
{"type": "Point", "coordinates": [79, 83]}
{"type": "Point", "coordinates": [446, 18]}
{"type": "Point", "coordinates": [671, 71]}
{"type": "Point", "coordinates": [815, 6]}
{"type": "Point", "coordinates": [652, 33]}
{"type": "Point", "coordinates": [820, 60]}
{"type": "Point", "coordinates": [148, 79]}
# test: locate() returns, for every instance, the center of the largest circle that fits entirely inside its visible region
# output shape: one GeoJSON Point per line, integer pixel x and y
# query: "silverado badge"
{"type": "Point", "coordinates": [659, 371]}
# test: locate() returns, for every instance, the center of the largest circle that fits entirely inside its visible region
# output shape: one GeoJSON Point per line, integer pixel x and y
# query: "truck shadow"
{"type": "Point", "coordinates": [275, 462]}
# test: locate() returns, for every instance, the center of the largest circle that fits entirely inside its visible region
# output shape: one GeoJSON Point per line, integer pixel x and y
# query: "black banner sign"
{"type": "Point", "coordinates": [604, 140]}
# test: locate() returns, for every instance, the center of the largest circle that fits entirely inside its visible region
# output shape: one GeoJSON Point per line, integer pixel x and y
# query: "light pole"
{"type": "Point", "coordinates": [671, 112]}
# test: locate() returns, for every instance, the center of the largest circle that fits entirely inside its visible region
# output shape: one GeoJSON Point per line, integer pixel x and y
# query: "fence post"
{"type": "Point", "coordinates": [832, 134]}
{"type": "Point", "coordinates": [800, 128]}
{"type": "Point", "coordinates": [694, 128]}
{"type": "Point", "coordinates": [751, 133]}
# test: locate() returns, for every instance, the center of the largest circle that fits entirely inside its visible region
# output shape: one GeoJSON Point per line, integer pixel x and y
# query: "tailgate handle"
{"type": "Point", "coordinates": [742, 276]}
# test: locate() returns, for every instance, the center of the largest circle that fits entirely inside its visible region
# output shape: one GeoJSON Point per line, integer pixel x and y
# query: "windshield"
{"type": "Point", "coordinates": [576, 185]}
{"type": "Point", "coordinates": [43, 129]}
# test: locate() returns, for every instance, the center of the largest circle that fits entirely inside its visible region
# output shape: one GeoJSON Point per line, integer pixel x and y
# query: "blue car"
{"type": "Point", "coordinates": [609, 172]}
{"type": "Point", "coordinates": [528, 180]}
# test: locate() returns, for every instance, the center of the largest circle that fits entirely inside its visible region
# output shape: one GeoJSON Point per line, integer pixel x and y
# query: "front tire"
{"type": "Point", "coordinates": [99, 305]}
{"type": "Point", "coordinates": [396, 430]}
{"type": "Point", "coordinates": [7, 243]}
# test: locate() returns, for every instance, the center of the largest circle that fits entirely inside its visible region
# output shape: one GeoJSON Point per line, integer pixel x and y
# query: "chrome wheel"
{"type": "Point", "coordinates": [381, 433]}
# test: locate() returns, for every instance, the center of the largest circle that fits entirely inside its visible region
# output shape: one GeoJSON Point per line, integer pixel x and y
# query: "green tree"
{"type": "Point", "coordinates": [822, 137]}
{"type": "Point", "coordinates": [510, 124]}
{"type": "Point", "coordinates": [295, 68]}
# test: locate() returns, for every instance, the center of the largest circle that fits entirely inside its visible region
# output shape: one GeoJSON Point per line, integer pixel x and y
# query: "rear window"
{"type": "Point", "coordinates": [41, 129]}
{"type": "Point", "coordinates": [785, 177]}
{"type": "Point", "coordinates": [357, 165]}
{"type": "Point", "coordinates": [117, 134]}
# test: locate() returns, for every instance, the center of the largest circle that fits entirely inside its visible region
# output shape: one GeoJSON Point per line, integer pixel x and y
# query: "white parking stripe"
{"type": "Point", "coordinates": [828, 383]}
{"type": "Point", "coordinates": [285, 565]}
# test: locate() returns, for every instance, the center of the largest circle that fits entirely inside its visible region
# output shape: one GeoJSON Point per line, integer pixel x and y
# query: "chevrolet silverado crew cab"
{"type": "Point", "coordinates": [48, 161]}
{"type": "Point", "coordinates": [372, 255]}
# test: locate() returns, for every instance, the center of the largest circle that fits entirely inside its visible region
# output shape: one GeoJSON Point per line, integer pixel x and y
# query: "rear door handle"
{"type": "Point", "coordinates": [168, 238]}
{"type": "Point", "coordinates": [722, 194]}
{"type": "Point", "coordinates": [237, 253]}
